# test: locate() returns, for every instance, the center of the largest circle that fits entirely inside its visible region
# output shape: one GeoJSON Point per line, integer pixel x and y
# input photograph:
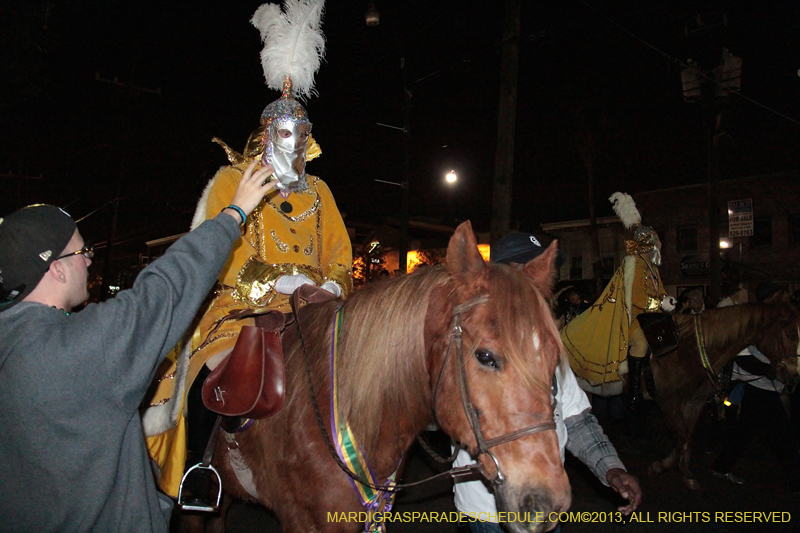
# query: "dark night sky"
{"type": "Point", "coordinates": [577, 72]}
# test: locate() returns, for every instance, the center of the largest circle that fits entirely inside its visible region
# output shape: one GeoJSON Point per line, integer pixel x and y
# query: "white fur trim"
{"type": "Point", "coordinates": [160, 418]}
{"type": "Point", "coordinates": [629, 272]}
{"type": "Point", "coordinates": [200, 211]}
{"type": "Point", "coordinates": [605, 389]}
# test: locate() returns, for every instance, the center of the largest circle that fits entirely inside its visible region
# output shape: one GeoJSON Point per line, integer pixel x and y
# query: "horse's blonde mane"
{"type": "Point", "coordinates": [521, 312]}
{"type": "Point", "coordinates": [383, 364]}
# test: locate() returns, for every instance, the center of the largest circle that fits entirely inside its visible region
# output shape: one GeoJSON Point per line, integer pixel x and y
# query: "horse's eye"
{"type": "Point", "coordinates": [487, 359]}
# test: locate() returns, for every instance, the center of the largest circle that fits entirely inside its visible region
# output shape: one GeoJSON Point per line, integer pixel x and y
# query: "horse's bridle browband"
{"type": "Point", "coordinates": [469, 410]}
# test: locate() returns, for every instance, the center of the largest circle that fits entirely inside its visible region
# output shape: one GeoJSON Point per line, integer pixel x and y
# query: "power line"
{"type": "Point", "coordinates": [683, 64]}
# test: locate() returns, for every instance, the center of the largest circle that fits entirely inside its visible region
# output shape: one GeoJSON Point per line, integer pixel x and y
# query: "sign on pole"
{"type": "Point", "coordinates": [740, 218]}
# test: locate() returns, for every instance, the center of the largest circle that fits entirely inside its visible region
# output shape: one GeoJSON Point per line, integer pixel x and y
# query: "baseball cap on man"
{"type": "Point", "coordinates": [30, 240]}
{"type": "Point", "coordinates": [767, 289]}
{"type": "Point", "coordinates": [519, 247]}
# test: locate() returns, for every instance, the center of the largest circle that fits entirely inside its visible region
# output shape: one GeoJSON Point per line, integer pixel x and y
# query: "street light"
{"type": "Point", "coordinates": [372, 16]}
{"type": "Point", "coordinates": [451, 178]}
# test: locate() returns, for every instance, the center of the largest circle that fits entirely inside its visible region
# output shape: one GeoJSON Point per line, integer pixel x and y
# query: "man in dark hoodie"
{"type": "Point", "coordinates": [72, 445]}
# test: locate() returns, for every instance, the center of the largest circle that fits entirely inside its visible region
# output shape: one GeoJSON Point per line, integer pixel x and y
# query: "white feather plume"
{"type": "Point", "coordinates": [625, 208]}
{"type": "Point", "coordinates": [293, 43]}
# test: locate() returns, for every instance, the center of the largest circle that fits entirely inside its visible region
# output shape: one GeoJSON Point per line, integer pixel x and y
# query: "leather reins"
{"type": "Point", "coordinates": [466, 401]}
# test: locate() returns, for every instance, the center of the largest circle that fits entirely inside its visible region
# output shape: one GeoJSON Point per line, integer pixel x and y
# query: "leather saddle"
{"type": "Point", "coordinates": [250, 381]}
{"type": "Point", "coordinates": [660, 331]}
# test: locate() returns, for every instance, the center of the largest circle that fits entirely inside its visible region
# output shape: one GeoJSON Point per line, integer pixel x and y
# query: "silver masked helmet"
{"type": "Point", "coordinates": [645, 240]}
{"type": "Point", "coordinates": [288, 130]}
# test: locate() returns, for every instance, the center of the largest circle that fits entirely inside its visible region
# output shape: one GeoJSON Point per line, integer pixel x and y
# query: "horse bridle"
{"type": "Point", "coordinates": [471, 413]}
{"type": "Point", "coordinates": [466, 401]}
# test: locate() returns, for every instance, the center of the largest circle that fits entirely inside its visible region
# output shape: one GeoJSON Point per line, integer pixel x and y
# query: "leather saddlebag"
{"type": "Point", "coordinates": [249, 382]}
{"type": "Point", "coordinates": [660, 331]}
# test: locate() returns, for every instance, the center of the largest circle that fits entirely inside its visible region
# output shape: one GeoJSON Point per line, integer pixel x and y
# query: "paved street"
{"type": "Point", "coordinates": [668, 506]}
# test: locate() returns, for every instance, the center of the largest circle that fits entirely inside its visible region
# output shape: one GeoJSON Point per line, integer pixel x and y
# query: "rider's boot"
{"type": "Point", "coordinates": [635, 396]}
{"type": "Point", "coordinates": [196, 487]}
{"type": "Point", "coordinates": [635, 421]}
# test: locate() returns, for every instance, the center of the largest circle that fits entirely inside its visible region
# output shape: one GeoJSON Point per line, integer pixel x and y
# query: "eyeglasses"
{"type": "Point", "coordinates": [86, 251]}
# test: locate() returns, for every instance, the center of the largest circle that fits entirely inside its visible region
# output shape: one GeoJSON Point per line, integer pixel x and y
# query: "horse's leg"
{"type": "Point", "coordinates": [664, 380]}
{"type": "Point", "coordinates": [674, 421]}
{"type": "Point", "coordinates": [691, 412]}
{"type": "Point", "coordinates": [216, 523]}
{"type": "Point", "coordinates": [192, 522]}
{"type": "Point", "coordinates": [666, 463]}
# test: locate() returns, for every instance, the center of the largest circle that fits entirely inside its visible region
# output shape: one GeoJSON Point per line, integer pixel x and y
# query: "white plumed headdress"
{"type": "Point", "coordinates": [644, 237]}
{"type": "Point", "coordinates": [625, 208]}
{"type": "Point", "coordinates": [293, 44]}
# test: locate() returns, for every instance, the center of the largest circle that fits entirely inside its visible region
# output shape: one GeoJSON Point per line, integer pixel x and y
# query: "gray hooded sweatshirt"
{"type": "Point", "coordinates": [72, 451]}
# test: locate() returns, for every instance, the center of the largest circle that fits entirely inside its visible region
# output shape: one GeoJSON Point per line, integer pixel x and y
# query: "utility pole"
{"type": "Point", "coordinates": [506, 122]}
{"type": "Point", "coordinates": [710, 85]}
{"type": "Point", "coordinates": [406, 177]}
{"type": "Point", "coordinates": [403, 252]}
{"type": "Point", "coordinates": [130, 91]}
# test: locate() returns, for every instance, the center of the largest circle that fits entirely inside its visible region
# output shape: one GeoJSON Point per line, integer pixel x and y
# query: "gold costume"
{"type": "Point", "coordinates": [311, 239]}
{"type": "Point", "coordinates": [599, 339]}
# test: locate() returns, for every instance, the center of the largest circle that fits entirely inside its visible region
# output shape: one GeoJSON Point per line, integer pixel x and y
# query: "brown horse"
{"type": "Point", "coordinates": [398, 370]}
{"type": "Point", "coordinates": [682, 384]}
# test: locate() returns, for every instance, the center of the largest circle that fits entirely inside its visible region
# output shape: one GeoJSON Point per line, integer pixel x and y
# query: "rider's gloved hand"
{"type": "Point", "coordinates": [668, 303]}
{"type": "Point", "coordinates": [288, 284]}
{"type": "Point", "coordinates": [332, 287]}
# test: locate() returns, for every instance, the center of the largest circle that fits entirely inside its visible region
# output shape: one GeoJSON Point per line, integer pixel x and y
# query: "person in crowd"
{"type": "Point", "coordinates": [574, 305]}
{"type": "Point", "coordinates": [73, 451]}
{"type": "Point", "coordinates": [692, 302]}
{"type": "Point", "coordinates": [731, 291]}
{"type": "Point", "coordinates": [295, 236]}
{"type": "Point", "coordinates": [761, 411]}
{"type": "Point", "coordinates": [576, 427]}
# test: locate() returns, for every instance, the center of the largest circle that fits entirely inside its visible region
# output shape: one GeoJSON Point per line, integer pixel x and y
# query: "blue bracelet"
{"type": "Point", "coordinates": [238, 210]}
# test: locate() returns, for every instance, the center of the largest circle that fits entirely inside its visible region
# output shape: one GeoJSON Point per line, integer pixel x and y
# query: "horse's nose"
{"type": "Point", "coordinates": [547, 510]}
{"type": "Point", "coordinates": [539, 510]}
{"type": "Point", "coordinates": [537, 501]}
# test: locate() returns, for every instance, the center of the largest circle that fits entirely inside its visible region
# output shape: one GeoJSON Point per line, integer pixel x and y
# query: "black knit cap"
{"type": "Point", "coordinates": [767, 289]}
{"type": "Point", "coordinates": [30, 240]}
{"type": "Point", "coordinates": [519, 248]}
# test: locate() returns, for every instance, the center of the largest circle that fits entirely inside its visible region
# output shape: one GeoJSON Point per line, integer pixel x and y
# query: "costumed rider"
{"type": "Point", "coordinates": [600, 340]}
{"type": "Point", "coordinates": [295, 236]}
{"type": "Point", "coordinates": [577, 428]}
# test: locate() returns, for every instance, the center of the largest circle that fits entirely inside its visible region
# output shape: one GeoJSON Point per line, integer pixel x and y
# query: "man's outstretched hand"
{"type": "Point", "coordinates": [627, 486]}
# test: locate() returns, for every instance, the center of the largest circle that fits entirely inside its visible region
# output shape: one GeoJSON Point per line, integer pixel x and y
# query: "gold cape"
{"type": "Point", "coordinates": [597, 340]}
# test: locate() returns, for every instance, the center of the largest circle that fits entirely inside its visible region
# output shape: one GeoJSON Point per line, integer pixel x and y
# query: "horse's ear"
{"type": "Point", "coordinates": [542, 269]}
{"type": "Point", "coordinates": [462, 252]}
